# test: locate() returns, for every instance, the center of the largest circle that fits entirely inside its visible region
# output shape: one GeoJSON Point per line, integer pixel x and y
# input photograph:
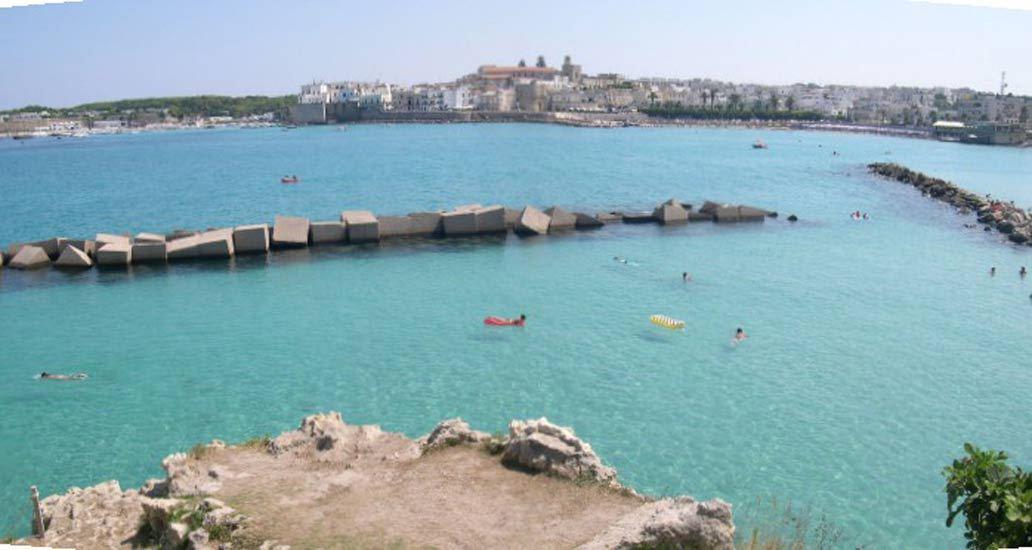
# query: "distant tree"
{"type": "Point", "coordinates": [995, 498]}
{"type": "Point", "coordinates": [522, 63]}
{"type": "Point", "coordinates": [790, 103]}
{"type": "Point", "coordinates": [774, 101]}
{"type": "Point", "coordinates": [757, 105]}
{"type": "Point", "coordinates": [735, 102]}
{"type": "Point", "coordinates": [541, 61]}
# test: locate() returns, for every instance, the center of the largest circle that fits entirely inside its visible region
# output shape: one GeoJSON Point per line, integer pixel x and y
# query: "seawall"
{"type": "Point", "coordinates": [994, 214]}
{"type": "Point", "coordinates": [120, 251]}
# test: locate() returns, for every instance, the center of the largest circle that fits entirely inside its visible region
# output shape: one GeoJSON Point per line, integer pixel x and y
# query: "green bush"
{"type": "Point", "coordinates": [995, 498]}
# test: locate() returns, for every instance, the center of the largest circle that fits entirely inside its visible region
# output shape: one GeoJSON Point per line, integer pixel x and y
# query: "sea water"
{"type": "Point", "coordinates": [876, 348]}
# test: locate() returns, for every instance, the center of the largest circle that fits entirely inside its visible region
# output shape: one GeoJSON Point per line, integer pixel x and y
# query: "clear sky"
{"type": "Point", "coordinates": [66, 54]}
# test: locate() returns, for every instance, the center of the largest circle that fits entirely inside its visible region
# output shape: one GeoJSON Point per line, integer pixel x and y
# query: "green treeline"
{"type": "Point", "coordinates": [178, 107]}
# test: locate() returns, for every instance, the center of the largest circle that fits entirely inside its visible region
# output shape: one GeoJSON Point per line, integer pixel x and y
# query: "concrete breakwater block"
{"type": "Point", "coordinates": [639, 217]}
{"type": "Point", "coordinates": [115, 254]}
{"type": "Point", "coordinates": [710, 207]}
{"type": "Point", "coordinates": [251, 239]}
{"type": "Point", "coordinates": [610, 217]}
{"type": "Point", "coordinates": [72, 257]}
{"type": "Point", "coordinates": [107, 238]}
{"type": "Point", "coordinates": [491, 219]}
{"type": "Point", "coordinates": [533, 222]}
{"type": "Point", "coordinates": [30, 257]}
{"type": "Point", "coordinates": [183, 248]}
{"type": "Point", "coordinates": [467, 207]}
{"type": "Point", "coordinates": [148, 238]}
{"type": "Point", "coordinates": [460, 223]}
{"type": "Point", "coordinates": [727, 214]}
{"type": "Point", "coordinates": [560, 219]}
{"type": "Point", "coordinates": [700, 217]}
{"type": "Point", "coordinates": [290, 231]}
{"type": "Point", "coordinates": [417, 224]}
{"type": "Point", "coordinates": [671, 212]}
{"type": "Point", "coordinates": [86, 245]}
{"type": "Point", "coordinates": [327, 232]}
{"type": "Point", "coordinates": [585, 221]}
{"type": "Point", "coordinates": [50, 246]}
{"type": "Point", "coordinates": [148, 251]}
{"type": "Point", "coordinates": [752, 214]}
{"type": "Point", "coordinates": [362, 226]}
{"type": "Point", "coordinates": [217, 243]}
{"type": "Point", "coordinates": [511, 217]}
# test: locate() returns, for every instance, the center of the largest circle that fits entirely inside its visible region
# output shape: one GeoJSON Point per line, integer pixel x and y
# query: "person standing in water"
{"type": "Point", "coordinates": [1022, 272]}
{"type": "Point", "coordinates": [992, 271]}
{"type": "Point", "coordinates": [686, 277]}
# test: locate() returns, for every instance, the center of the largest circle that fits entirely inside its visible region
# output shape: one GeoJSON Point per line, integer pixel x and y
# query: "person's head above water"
{"type": "Point", "coordinates": [739, 331]}
{"type": "Point", "coordinates": [523, 317]}
{"type": "Point", "coordinates": [43, 374]}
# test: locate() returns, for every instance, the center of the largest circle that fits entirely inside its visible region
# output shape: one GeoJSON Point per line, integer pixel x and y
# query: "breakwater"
{"type": "Point", "coordinates": [1003, 216]}
{"type": "Point", "coordinates": [110, 250]}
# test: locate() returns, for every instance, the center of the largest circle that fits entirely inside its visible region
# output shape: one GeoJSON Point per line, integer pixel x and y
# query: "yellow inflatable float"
{"type": "Point", "coordinates": [667, 322]}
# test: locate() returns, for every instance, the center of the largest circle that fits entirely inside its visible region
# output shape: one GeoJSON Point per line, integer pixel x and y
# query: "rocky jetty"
{"type": "Point", "coordinates": [538, 486]}
{"type": "Point", "coordinates": [1005, 217]}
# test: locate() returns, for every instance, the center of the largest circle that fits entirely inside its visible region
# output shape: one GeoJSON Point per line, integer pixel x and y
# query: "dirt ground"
{"type": "Point", "coordinates": [454, 497]}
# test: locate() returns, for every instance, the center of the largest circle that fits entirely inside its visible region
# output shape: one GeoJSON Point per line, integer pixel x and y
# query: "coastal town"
{"type": "Point", "coordinates": [539, 92]}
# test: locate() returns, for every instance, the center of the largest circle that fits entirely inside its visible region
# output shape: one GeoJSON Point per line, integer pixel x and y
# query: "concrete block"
{"type": "Point", "coordinates": [362, 226]}
{"type": "Point", "coordinates": [467, 207]}
{"type": "Point", "coordinates": [639, 217]}
{"type": "Point", "coordinates": [107, 238]}
{"type": "Point", "coordinates": [215, 244]}
{"type": "Point", "coordinates": [561, 219]}
{"type": "Point", "coordinates": [459, 223]}
{"type": "Point", "coordinates": [699, 217]}
{"type": "Point", "coordinates": [532, 222]}
{"type": "Point", "coordinates": [72, 257]}
{"type": "Point", "coordinates": [149, 238]}
{"type": "Point", "coordinates": [290, 231]}
{"type": "Point", "coordinates": [726, 214]}
{"type": "Point", "coordinates": [610, 217]}
{"type": "Point", "coordinates": [115, 253]}
{"type": "Point", "coordinates": [491, 219]}
{"type": "Point", "coordinates": [179, 234]}
{"type": "Point", "coordinates": [251, 239]}
{"type": "Point", "coordinates": [511, 217]}
{"type": "Point", "coordinates": [50, 246]}
{"type": "Point", "coordinates": [85, 245]}
{"type": "Point", "coordinates": [585, 221]}
{"type": "Point", "coordinates": [424, 224]}
{"type": "Point", "coordinates": [148, 251]}
{"type": "Point", "coordinates": [30, 257]}
{"type": "Point", "coordinates": [183, 248]}
{"type": "Point", "coordinates": [751, 214]}
{"type": "Point", "coordinates": [710, 207]}
{"type": "Point", "coordinates": [670, 212]}
{"type": "Point", "coordinates": [327, 232]}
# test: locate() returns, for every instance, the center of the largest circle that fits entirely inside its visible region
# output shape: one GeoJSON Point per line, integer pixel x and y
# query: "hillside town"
{"type": "Point", "coordinates": [538, 92]}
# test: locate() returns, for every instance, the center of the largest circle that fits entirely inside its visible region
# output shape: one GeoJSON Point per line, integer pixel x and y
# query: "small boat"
{"type": "Point", "coordinates": [289, 179]}
{"type": "Point", "coordinates": [759, 144]}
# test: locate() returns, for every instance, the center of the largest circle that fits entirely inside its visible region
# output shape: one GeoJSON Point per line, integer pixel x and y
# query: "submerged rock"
{"type": "Point", "coordinates": [541, 446]}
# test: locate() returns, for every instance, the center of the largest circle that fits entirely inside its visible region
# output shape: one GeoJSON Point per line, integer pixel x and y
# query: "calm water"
{"type": "Point", "coordinates": [877, 349]}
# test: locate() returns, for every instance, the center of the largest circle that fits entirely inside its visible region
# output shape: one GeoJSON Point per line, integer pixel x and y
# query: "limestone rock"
{"type": "Point", "coordinates": [198, 539]}
{"type": "Point", "coordinates": [30, 257]}
{"type": "Point", "coordinates": [251, 239]}
{"type": "Point", "coordinates": [362, 226]}
{"type": "Point", "coordinates": [92, 517]}
{"type": "Point", "coordinates": [561, 219]}
{"type": "Point", "coordinates": [532, 222]}
{"type": "Point", "coordinates": [290, 231]}
{"type": "Point", "coordinates": [326, 437]}
{"type": "Point", "coordinates": [671, 523]}
{"type": "Point", "coordinates": [451, 432]}
{"type": "Point", "coordinates": [186, 478]}
{"type": "Point", "coordinates": [542, 446]}
{"type": "Point", "coordinates": [72, 257]}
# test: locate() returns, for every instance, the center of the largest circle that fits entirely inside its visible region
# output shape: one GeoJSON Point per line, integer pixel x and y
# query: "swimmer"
{"type": "Point", "coordinates": [686, 277]}
{"type": "Point", "coordinates": [866, 216]}
{"type": "Point", "coordinates": [1022, 272]}
{"type": "Point", "coordinates": [50, 376]}
{"type": "Point", "coordinates": [740, 335]}
{"type": "Point", "coordinates": [992, 271]}
{"type": "Point", "coordinates": [619, 259]}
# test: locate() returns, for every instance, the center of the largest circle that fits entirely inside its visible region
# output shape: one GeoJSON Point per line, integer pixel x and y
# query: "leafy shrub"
{"type": "Point", "coordinates": [995, 498]}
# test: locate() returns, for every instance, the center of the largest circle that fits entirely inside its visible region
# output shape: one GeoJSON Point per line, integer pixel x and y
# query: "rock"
{"type": "Point", "coordinates": [460, 223]}
{"type": "Point", "coordinates": [451, 432]}
{"type": "Point", "coordinates": [1018, 238]}
{"type": "Point", "coordinates": [73, 258]}
{"type": "Point", "coordinates": [198, 539]}
{"type": "Point", "coordinates": [362, 226]}
{"type": "Point", "coordinates": [792, 218]}
{"type": "Point", "coordinates": [671, 523]}
{"type": "Point", "coordinates": [186, 478]}
{"type": "Point", "coordinates": [326, 437]}
{"type": "Point", "coordinates": [542, 446]}
{"type": "Point", "coordinates": [491, 219]}
{"type": "Point", "coordinates": [560, 219]}
{"type": "Point", "coordinates": [149, 251]}
{"type": "Point", "coordinates": [670, 212]}
{"type": "Point", "coordinates": [93, 517]}
{"type": "Point", "coordinates": [157, 513]}
{"type": "Point", "coordinates": [251, 239]}
{"type": "Point", "coordinates": [290, 231]}
{"type": "Point", "coordinates": [115, 254]}
{"type": "Point", "coordinates": [155, 488]}
{"type": "Point", "coordinates": [532, 222]}
{"type": "Point", "coordinates": [176, 534]}
{"type": "Point", "coordinates": [30, 257]}
{"type": "Point", "coordinates": [327, 232]}
{"type": "Point", "coordinates": [1005, 227]}
{"type": "Point", "coordinates": [585, 221]}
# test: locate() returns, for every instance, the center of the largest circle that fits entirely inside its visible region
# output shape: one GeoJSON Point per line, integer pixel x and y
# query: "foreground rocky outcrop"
{"type": "Point", "coordinates": [1005, 217]}
{"type": "Point", "coordinates": [539, 485]}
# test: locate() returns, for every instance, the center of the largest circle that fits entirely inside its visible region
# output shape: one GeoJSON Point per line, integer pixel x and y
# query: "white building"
{"type": "Point", "coordinates": [458, 99]}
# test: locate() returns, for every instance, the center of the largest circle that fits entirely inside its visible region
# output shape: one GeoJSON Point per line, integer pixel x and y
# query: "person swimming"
{"type": "Point", "coordinates": [740, 335]}
{"type": "Point", "coordinates": [686, 276]}
{"type": "Point", "coordinates": [619, 259]}
{"type": "Point", "coordinates": [992, 271]}
{"type": "Point", "coordinates": [51, 376]}
{"type": "Point", "coordinates": [1023, 272]}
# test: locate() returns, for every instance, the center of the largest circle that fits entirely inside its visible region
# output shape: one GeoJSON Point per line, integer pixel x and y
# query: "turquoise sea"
{"type": "Point", "coordinates": [876, 348]}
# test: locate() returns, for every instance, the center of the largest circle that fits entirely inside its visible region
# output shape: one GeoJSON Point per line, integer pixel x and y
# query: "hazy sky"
{"type": "Point", "coordinates": [109, 49]}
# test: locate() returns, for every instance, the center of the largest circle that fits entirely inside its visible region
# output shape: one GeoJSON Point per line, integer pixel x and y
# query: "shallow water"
{"type": "Point", "coordinates": [876, 348]}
